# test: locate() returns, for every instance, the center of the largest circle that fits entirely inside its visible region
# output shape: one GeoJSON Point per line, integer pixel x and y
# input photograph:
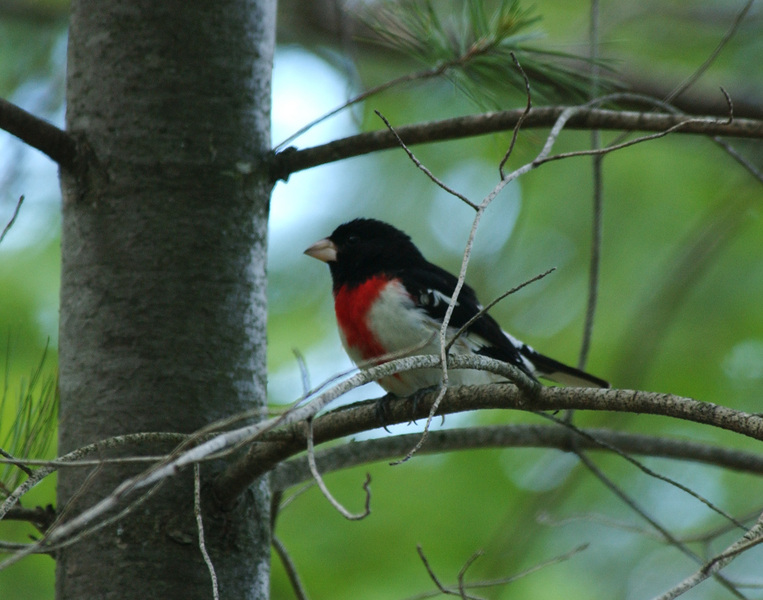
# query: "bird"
{"type": "Point", "coordinates": [390, 302]}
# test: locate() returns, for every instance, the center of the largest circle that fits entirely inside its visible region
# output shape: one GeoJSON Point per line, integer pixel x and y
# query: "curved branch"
{"type": "Point", "coordinates": [262, 457]}
{"type": "Point", "coordinates": [292, 160]}
{"type": "Point", "coordinates": [345, 456]}
{"type": "Point", "coordinates": [38, 133]}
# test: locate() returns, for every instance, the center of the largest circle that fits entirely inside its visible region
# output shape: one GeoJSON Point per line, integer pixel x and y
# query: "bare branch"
{"type": "Point", "coordinates": [40, 134]}
{"type": "Point", "coordinates": [40, 517]}
{"type": "Point", "coordinates": [200, 529]}
{"type": "Point", "coordinates": [13, 218]}
{"type": "Point", "coordinates": [75, 455]}
{"type": "Point", "coordinates": [752, 538]}
{"type": "Point", "coordinates": [598, 194]}
{"type": "Point", "coordinates": [296, 471]}
{"type": "Point", "coordinates": [292, 160]}
{"type": "Point", "coordinates": [643, 468]}
{"type": "Point", "coordinates": [518, 125]}
{"type": "Point", "coordinates": [694, 77]}
{"type": "Point", "coordinates": [290, 568]}
{"type": "Point", "coordinates": [324, 488]}
{"type": "Point", "coordinates": [423, 168]}
{"type": "Point", "coordinates": [462, 573]}
{"type": "Point", "coordinates": [492, 582]}
{"type": "Point", "coordinates": [527, 384]}
{"type": "Point", "coordinates": [440, 587]}
{"type": "Point", "coordinates": [362, 417]}
{"type": "Point", "coordinates": [635, 507]}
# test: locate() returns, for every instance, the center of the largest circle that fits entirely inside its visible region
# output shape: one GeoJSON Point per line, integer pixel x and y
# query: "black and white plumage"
{"type": "Point", "coordinates": [389, 299]}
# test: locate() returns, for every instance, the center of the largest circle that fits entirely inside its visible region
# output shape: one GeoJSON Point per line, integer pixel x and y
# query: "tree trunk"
{"type": "Point", "coordinates": [163, 294]}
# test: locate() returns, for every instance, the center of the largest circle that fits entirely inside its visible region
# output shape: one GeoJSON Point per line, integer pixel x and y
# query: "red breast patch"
{"type": "Point", "coordinates": [352, 306]}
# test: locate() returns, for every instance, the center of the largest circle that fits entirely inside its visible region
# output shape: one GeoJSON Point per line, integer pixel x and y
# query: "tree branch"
{"type": "Point", "coordinates": [297, 470]}
{"type": "Point", "coordinates": [38, 133]}
{"type": "Point", "coordinates": [292, 160]}
{"type": "Point", "coordinates": [262, 457]}
{"type": "Point", "coordinates": [749, 539]}
{"type": "Point", "coordinates": [40, 517]}
{"type": "Point", "coordinates": [14, 216]}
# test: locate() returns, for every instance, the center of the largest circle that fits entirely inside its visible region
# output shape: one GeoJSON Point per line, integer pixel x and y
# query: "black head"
{"type": "Point", "coordinates": [362, 248]}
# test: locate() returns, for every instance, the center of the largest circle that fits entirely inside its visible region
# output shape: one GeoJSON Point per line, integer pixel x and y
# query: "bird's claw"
{"type": "Point", "coordinates": [381, 408]}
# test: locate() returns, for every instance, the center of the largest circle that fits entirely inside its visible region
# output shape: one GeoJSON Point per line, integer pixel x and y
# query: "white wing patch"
{"type": "Point", "coordinates": [434, 298]}
{"type": "Point", "coordinates": [518, 345]}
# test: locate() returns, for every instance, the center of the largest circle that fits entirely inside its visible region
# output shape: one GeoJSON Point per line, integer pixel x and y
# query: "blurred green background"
{"type": "Point", "coordinates": [679, 307]}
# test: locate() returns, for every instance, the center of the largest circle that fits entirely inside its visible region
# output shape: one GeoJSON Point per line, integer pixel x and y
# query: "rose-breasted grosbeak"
{"type": "Point", "coordinates": [389, 299]}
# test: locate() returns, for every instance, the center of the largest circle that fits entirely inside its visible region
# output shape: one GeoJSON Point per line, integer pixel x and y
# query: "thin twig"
{"type": "Point", "coordinates": [41, 518]}
{"type": "Point", "coordinates": [635, 507]}
{"type": "Point", "coordinates": [598, 192]}
{"type": "Point", "coordinates": [515, 132]}
{"type": "Point", "coordinates": [10, 459]}
{"type": "Point", "coordinates": [428, 73]}
{"type": "Point", "coordinates": [290, 568]}
{"type": "Point", "coordinates": [493, 302]}
{"type": "Point", "coordinates": [324, 488]}
{"type": "Point", "coordinates": [442, 589]}
{"type": "Point", "coordinates": [462, 573]}
{"type": "Point", "coordinates": [755, 534]}
{"type": "Point", "coordinates": [643, 468]}
{"type": "Point", "coordinates": [480, 209]}
{"type": "Point", "coordinates": [303, 372]}
{"type": "Point", "coordinates": [13, 218]}
{"type": "Point", "coordinates": [200, 529]}
{"type": "Point", "coordinates": [620, 146]}
{"type": "Point", "coordinates": [742, 160]}
{"type": "Point", "coordinates": [702, 69]}
{"type": "Point", "coordinates": [542, 157]}
{"type": "Point", "coordinates": [421, 166]}
{"type": "Point", "coordinates": [430, 572]}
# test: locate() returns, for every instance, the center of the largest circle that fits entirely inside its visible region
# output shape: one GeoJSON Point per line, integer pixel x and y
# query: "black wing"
{"type": "Point", "coordinates": [432, 288]}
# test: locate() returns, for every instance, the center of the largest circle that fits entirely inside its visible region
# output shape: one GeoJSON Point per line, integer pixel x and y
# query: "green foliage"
{"type": "Point", "coordinates": [27, 419]}
{"type": "Point", "coordinates": [472, 43]}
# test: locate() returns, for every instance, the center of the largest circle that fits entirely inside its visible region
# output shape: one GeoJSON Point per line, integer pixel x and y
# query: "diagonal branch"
{"type": "Point", "coordinates": [639, 510]}
{"type": "Point", "coordinates": [14, 216]}
{"type": "Point", "coordinates": [38, 133]}
{"type": "Point", "coordinates": [753, 537]}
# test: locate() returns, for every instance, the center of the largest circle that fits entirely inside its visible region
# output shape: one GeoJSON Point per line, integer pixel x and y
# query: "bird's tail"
{"type": "Point", "coordinates": [559, 372]}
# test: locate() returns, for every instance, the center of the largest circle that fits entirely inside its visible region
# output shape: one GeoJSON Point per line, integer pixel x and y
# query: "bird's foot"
{"type": "Point", "coordinates": [381, 408]}
{"type": "Point", "coordinates": [417, 397]}
{"type": "Point", "coordinates": [382, 405]}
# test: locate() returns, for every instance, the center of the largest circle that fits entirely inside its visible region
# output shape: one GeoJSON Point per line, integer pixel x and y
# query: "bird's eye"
{"type": "Point", "coordinates": [353, 239]}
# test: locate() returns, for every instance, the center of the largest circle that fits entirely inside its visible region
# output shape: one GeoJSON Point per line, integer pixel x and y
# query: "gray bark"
{"type": "Point", "coordinates": [163, 295]}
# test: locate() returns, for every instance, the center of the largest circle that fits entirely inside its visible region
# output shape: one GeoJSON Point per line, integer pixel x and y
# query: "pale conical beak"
{"type": "Point", "coordinates": [324, 250]}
